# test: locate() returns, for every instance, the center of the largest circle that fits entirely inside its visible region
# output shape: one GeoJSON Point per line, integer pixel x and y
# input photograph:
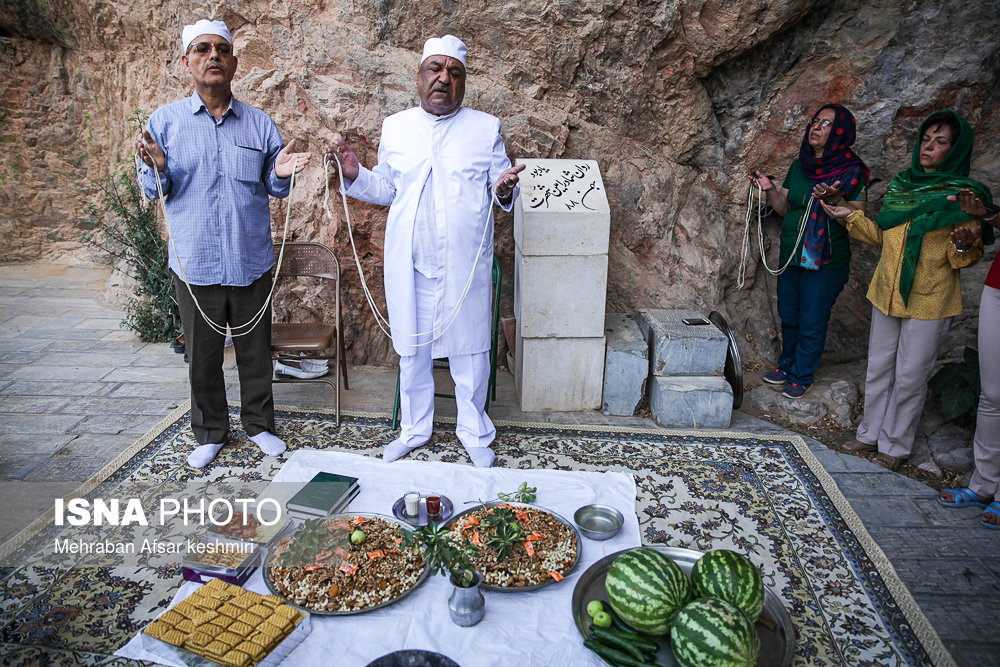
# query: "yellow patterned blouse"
{"type": "Point", "coordinates": [936, 291]}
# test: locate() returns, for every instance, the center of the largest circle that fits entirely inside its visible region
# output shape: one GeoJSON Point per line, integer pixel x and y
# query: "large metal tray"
{"type": "Point", "coordinates": [323, 612]}
{"type": "Point", "coordinates": [547, 582]}
{"type": "Point", "coordinates": [733, 370]}
{"type": "Point", "coordinates": [777, 636]}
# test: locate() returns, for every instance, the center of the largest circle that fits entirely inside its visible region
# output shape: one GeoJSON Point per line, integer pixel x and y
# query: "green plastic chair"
{"type": "Point", "coordinates": [440, 364]}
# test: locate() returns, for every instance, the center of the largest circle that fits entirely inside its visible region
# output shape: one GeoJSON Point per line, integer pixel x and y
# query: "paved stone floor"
{"type": "Point", "coordinates": [75, 390]}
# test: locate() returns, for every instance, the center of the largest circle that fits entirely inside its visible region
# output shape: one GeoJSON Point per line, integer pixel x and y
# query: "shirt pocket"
{"type": "Point", "coordinates": [246, 163]}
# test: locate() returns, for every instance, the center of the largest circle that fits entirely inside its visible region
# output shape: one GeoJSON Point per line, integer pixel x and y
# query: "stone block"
{"type": "Point", "coordinates": [561, 297]}
{"type": "Point", "coordinates": [681, 349]}
{"type": "Point", "coordinates": [626, 365]}
{"type": "Point", "coordinates": [559, 373]}
{"type": "Point", "coordinates": [691, 401]}
{"type": "Point", "coordinates": [562, 210]}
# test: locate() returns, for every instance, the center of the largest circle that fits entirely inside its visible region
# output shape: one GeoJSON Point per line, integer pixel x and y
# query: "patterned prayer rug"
{"type": "Point", "coordinates": [764, 496]}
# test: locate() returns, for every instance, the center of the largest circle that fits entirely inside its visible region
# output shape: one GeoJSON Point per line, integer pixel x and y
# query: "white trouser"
{"type": "Point", "coordinates": [471, 373]}
{"type": "Point", "coordinates": [901, 354]}
{"type": "Point", "coordinates": [986, 447]}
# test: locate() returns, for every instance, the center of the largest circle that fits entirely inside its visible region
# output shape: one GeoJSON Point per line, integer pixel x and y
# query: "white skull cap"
{"type": "Point", "coordinates": [205, 27]}
{"type": "Point", "coordinates": [449, 45]}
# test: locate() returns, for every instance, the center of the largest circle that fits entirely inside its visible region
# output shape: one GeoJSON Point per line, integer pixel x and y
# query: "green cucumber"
{"type": "Point", "coordinates": [616, 621]}
{"type": "Point", "coordinates": [614, 641]}
{"type": "Point", "coordinates": [611, 636]}
{"type": "Point", "coordinates": [614, 655]}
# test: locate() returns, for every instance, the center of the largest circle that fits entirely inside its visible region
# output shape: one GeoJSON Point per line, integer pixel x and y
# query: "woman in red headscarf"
{"type": "Point", "coordinates": [816, 255]}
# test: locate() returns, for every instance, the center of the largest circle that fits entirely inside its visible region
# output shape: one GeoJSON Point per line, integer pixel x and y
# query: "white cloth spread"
{"type": "Point", "coordinates": [466, 154]}
{"type": "Point", "coordinates": [535, 628]}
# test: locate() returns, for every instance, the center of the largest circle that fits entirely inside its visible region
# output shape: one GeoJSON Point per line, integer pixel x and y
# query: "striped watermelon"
{"type": "Point", "coordinates": [710, 632]}
{"type": "Point", "coordinates": [646, 589]}
{"type": "Point", "coordinates": [730, 576]}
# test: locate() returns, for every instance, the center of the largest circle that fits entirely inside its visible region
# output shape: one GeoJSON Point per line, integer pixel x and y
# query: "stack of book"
{"type": "Point", "coordinates": [326, 493]}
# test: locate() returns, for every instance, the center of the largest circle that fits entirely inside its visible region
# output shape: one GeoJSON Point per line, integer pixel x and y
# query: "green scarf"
{"type": "Point", "coordinates": [921, 197]}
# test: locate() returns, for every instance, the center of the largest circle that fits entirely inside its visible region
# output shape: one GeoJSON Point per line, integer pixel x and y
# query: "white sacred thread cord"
{"type": "Point", "coordinates": [745, 247]}
{"type": "Point", "coordinates": [249, 325]}
{"type": "Point", "coordinates": [380, 319]}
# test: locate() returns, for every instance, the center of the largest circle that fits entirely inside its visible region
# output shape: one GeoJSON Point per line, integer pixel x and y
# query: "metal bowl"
{"type": "Point", "coordinates": [598, 522]}
{"type": "Point", "coordinates": [413, 658]}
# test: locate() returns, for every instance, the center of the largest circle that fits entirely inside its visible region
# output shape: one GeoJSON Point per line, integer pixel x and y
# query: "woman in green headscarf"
{"type": "Point", "coordinates": [926, 240]}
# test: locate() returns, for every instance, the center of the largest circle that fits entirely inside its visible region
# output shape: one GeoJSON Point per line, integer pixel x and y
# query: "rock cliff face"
{"type": "Point", "coordinates": [675, 100]}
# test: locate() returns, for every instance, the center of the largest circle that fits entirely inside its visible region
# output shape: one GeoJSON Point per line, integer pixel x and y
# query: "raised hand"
{"type": "Point", "coordinates": [508, 180]}
{"type": "Point", "coordinates": [763, 181]}
{"type": "Point", "coordinates": [963, 237]}
{"type": "Point", "coordinates": [150, 153]}
{"type": "Point", "coordinates": [288, 160]}
{"type": "Point", "coordinates": [828, 193]}
{"type": "Point", "coordinates": [969, 203]}
{"type": "Point", "coordinates": [348, 160]}
{"type": "Point", "coordinates": [838, 213]}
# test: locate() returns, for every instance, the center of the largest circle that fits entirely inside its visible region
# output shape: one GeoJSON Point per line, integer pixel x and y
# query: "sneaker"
{"type": "Point", "coordinates": [777, 376]}
{"type": "Point", "coordinates": [795, 390]}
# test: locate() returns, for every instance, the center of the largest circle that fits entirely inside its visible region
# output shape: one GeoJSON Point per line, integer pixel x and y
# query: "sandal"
{"type": "Point", "coordinates": [889, 462]}
{"type": "Point", "coordinates": [964, 497]}
{"type": "Point", "coordinates": [994, 508]}
{"type": "Point", "coordinates": [855, 446]}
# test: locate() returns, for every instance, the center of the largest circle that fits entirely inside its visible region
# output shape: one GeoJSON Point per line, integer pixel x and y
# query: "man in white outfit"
{"type": "Point", "coordinates": [441, 167]}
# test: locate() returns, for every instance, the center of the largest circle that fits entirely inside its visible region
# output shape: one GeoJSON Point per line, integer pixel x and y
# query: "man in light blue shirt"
{"type": "Point", "coordinates": [217, 160]}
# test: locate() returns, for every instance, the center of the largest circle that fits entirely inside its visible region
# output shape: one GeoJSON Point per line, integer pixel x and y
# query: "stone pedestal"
{"type": "Point", "coordinates": [561, 227]}
{"type": "Point", "coordinates": [626, 365]}
{"type": "Point", "coordinates": [687, 362]}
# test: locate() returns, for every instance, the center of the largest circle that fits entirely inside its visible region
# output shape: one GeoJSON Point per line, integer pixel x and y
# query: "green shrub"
{"type": "Point", "coordinates": [126, 231]}
{"type": "Point", "coordinates": [956, 386]}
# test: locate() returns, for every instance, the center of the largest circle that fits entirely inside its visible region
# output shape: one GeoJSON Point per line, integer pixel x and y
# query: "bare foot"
{"type": "Point", "coordinates": [991, 518]}
{"type": "Point", "coordinates": [948, 496]}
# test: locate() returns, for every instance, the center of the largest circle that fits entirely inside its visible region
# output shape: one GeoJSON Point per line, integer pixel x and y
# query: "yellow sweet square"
{"type": "Point", "coordinates": [256, 651]}
{"type": "Point", "coordinates": [210, 603]}
{"type": "Point", "coordinates": [199, 639]}
{"type": "Point", "coordinates": [261, 610]}
{"type": "Point", "coordinates": [186, 609]}
{"type": "Point", "coordinates": [272, 600]}
{"type": "Point", "coordinates": [175, 637]}
{"type": "Point", "coordinates": [230, 610]}
{"type": "Point", "coordinates": [218, 648]}
{"type": "Point", "coordinates": [205, 616]}
{"type": "Point", "coordinates": [172, 617]}
{"type": "Point", "coordinates": [286, 612]}
{"type": "Point", "coordinates": [230, 638]}
{"type": "Point", "coordinates": [240, 628]}
{"type": "Point", "coordinates": [237, 658]}
{"type": "Point", "coordinates": [186, 626]}
{"type": "Point", "coordinates": [276, 625]}
{"type": "Point", "coordinates": [214, 585]}
{"type": "Point", "coordinates": [250, 618]}
{"type": "Point", "coordinates": [157, 629]}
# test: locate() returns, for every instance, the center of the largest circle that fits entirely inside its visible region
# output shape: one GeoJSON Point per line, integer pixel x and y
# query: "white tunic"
{"type": "Point", "coordinates": [466, 154]}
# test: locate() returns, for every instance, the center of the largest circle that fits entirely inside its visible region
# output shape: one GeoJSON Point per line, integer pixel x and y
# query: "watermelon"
{"type": "Point", "coordinates": [730, 576]}
{"type": "Point", "coordinates": [646, 589]}
{"type": "Point", "coordinates": [710, 632]}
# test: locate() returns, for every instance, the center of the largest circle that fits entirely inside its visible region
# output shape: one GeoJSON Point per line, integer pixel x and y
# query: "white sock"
{"type": "Point", "coordinates": [203, 455]}
{"type": "Point", "coordinates": [397, 450]}
{"type": "Point", "coordinates": [482, 457]}
{"type": "Point", "coordinates": [269, 443]}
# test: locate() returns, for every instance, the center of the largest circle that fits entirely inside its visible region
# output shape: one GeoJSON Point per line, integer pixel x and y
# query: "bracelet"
{"type": "Point", "coordinates": [991, 218]}
{"type": "Point", "coordinates": [957, 249]}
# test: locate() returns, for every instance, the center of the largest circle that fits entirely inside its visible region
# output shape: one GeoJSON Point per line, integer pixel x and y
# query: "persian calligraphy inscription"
{"type": "Point", "coordinates": [565, 187]}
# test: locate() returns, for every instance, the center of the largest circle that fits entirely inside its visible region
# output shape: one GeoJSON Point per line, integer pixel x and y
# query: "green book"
{"type": "Point", "coordinates": [323, 493]}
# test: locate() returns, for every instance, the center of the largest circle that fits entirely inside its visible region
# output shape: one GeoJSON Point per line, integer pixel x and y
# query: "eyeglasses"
{"type": "Point", "coordinates": [222, 48]}
{"type": "Point", "coordinates": [822, 123]}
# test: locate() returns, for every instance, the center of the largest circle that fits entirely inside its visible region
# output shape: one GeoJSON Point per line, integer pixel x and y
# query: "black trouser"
{"type": "Point", "coordinates": [205, 347]}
